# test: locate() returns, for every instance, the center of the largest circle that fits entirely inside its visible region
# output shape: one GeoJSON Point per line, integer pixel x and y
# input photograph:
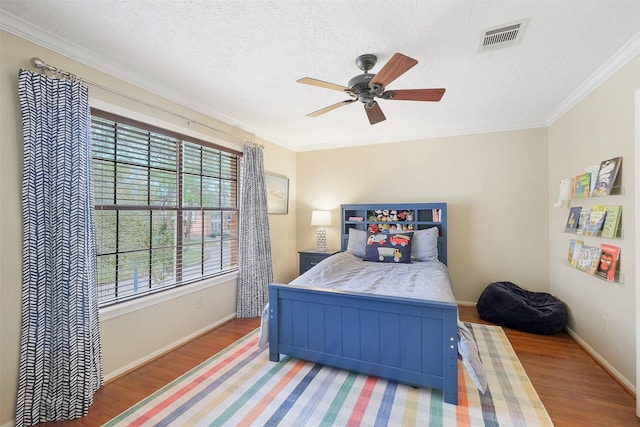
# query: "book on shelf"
{"type": "Point", "coordinates": [583, 219]}
{"type": "Point", "coordinates": [588, 259]}
{"type": "Point", "coordinates": [573, 244]}
{"type": "Point", "coordinates": [609, 255]}
{"type": "Point", "coordinates": [572, 221]}
{"type": "Point", "coordinates": [575, 256]}
{"type": "Point", "coordinates": [593, 170]}
{"type": "Point", "coordinates": [607, 176]}
{"type": "Point", "coordinates": [597, 216]}
{"type": "Point", "coordinates": [611, 221]}
{"type": "Point", "coordinates": [356, 218]}
{"type": "Point", "coordinates": [582, 186]}
{"type": "Point", "coordinates": [594, 255]}
{"type": "Point", "coordinates": [584, 258]}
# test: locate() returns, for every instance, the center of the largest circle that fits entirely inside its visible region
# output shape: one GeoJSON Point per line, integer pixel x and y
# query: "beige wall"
{"type": "Point", "coordinates": [598, 128]}
{"type": "Point", "coordinates": [127, 338]}
{"type": "Point", "coordinates": [283, 227]}
{"type": "Point", "coordinates": [495, 186]}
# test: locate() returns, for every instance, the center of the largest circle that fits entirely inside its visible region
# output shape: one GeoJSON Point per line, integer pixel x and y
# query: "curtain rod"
{"type": "Point", "coordinates": [44, 67]}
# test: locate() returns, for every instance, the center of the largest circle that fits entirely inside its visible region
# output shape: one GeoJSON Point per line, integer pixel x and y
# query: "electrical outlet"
{"type": "Point", "coordinates": [198, 302]}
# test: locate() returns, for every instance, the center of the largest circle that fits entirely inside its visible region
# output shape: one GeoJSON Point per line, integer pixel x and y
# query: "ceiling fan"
{"type": "Point", "coordinates": [367, 87]}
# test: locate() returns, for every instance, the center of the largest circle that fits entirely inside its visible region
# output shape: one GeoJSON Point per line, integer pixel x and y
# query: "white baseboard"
{"type": "Point", "coordinates": [591, 352]}
{"type": "Point", "coordinates": [147, 358]}
{"type": "Point", "coordinates": [603, 362]}
{"type": "Point", "coordinates": [466, 303]}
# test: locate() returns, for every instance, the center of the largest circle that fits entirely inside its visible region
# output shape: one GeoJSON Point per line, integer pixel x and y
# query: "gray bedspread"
{"type": "Point", "coordinates": [345, 271]}
{"type": "Point", "coordinates": [423, 280]}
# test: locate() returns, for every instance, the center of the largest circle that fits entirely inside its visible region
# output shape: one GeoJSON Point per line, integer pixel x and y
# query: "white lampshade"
{"type": "Point", "coordinates": [321, 218]}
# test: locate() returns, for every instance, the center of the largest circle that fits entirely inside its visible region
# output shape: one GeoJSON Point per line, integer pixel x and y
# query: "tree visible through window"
{"type": "Point", "coordinates": [165, 208]}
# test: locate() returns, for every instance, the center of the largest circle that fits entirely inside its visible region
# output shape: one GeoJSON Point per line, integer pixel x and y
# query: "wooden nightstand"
{"type": "Point", "coordinates": [310, 257]}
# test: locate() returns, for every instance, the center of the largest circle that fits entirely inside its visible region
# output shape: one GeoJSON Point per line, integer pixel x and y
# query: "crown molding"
{"type": "Point", "coordinates": [27, 31]}
{"type": "Point", "coordinates": [447, 133]}
{"type": "Point", "coordinates": [621, 58]}
{"type": "Point", "coordinates": [36, 35]}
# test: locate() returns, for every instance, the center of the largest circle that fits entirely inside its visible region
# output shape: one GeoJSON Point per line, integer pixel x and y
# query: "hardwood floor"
{"type": "Point", "coordinates": [575, 390]}
{"type": "Point", "coordinates": [123, 392]}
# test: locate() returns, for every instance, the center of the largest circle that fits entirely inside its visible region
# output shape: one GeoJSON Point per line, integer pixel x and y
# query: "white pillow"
{"type": "Point", "coordinates": [424, 246]}
{"type": "Point", "coordinates": [357, 242]}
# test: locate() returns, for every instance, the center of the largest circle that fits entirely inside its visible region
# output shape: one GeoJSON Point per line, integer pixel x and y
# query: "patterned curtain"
{"type": "Point", "coordinates": [254, 260]}
{"type": "Point", "coordinates": [60, 357]}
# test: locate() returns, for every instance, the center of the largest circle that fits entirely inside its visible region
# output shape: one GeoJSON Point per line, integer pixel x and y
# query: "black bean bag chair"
{"type": "Point", "coordinates": [506, 304]}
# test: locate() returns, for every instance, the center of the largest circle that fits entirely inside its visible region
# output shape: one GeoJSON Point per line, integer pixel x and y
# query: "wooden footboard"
{"type": "Point", "coordinates": [400, 339]}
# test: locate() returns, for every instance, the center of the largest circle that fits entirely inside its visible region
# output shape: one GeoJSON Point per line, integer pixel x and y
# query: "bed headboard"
{"type": "Point", "coordinates": [409, 216]}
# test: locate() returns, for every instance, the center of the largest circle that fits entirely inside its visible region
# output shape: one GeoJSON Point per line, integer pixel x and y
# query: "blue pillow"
{"type": "Point", "coordinates": [383, 247]}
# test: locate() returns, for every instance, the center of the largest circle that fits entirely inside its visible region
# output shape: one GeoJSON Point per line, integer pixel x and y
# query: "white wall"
{"type": "Point", "coordinates": [139, 331]}
{"type": "Point", "coordinates": [495, 185]}
{"type": "Point", "coordinates": [601, 126]}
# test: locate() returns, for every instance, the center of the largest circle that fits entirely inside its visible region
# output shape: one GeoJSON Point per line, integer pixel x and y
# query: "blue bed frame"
{"type": "Point", "coordinates": [404, 340]}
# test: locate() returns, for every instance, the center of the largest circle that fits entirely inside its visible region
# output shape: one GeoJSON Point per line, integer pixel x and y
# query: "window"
{"type": "Point", "coordinates": [165, 208]}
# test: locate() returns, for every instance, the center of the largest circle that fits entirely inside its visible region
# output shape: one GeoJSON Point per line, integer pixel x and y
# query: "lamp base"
{"type": "Point", "coordinates": [321, 240]}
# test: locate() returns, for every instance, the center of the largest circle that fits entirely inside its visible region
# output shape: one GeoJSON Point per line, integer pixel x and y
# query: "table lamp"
{"type": "Point", "coordinates": [320, 219]}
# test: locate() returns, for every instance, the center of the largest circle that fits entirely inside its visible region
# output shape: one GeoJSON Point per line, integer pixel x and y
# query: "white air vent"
{"type": "Point", "coordinates": [502, 36]}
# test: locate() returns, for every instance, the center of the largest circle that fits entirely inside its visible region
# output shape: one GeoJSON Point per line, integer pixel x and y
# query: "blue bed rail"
{"type": "Point", "coordinates": [404, 340]}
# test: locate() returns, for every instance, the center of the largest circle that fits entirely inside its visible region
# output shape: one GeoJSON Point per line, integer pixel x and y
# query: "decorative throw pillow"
{"type": "Point", "coordinates": [424, 246]}
{"type": "Point", "coordinates": [383, 247]}
{"type": "Point", "coordinates": [357, 242]}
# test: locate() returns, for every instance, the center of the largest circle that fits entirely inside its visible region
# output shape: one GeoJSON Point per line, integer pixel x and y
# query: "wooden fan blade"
{"type": "Point", "coordinates": [330, 107]}
{"type": "Point", "coordinates": [414, 94]}
{"type": "Point", "coordinates": [397, 66]}
{"type": "Point", "coordinates": [320, 83]}
{"type": "Point", "coordinates": [374, 113]}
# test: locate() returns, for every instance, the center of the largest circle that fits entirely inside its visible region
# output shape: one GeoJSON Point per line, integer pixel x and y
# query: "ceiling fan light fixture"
{"type": "Point", "coordinates": [366, 87]}
{"type": "Point", "coordinates": [360, 82]}
{"type": "Point", "coordinates": [365, 97]}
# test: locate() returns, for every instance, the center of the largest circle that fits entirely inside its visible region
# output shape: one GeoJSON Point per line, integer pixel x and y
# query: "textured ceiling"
{"type": "Point", "coordinates": [239, 60]}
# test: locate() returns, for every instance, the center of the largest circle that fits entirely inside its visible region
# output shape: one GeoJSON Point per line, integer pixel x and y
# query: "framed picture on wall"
{"type": "Point", "coordinates": [277, 193]}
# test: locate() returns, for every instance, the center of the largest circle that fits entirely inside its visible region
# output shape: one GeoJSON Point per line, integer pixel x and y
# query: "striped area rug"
{"type": "Point", "coordinates": [240, 387]}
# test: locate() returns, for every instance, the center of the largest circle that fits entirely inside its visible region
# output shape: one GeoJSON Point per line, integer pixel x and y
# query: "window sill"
{"type": "Point", "coordinates": [161, 297]}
